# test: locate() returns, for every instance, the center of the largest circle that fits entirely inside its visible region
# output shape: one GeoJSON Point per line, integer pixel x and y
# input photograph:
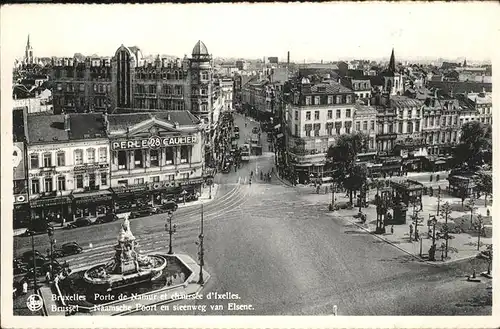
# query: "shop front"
{"type": "Point", "coordinates": [21, 211]}
{"type": "Point", "coordinates": [52, 208]}
{"type": "Point", "coordinates": [93, 204]}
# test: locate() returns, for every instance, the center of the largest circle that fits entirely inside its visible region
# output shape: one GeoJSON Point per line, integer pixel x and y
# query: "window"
{"type": "Point", "coordinates": [48, 184]}
{"type": "Point", "coordinates": [365, 125]}
{"type": "Point", "coordinates": [317, 127]}
{"type": "Point", "coordinates": [390, 127]}
{"type": "Point", "coordinates": [409, 127]}
{"type": "Point", "coordinates": [456, 119]}
{"type": "Point", "coordinates": [138, 181]}
{"type": "Point", "coordinates": [155, 179]}
{"type": "Point", "coordinates": [204, 75]}
{"type": "Point", "coordinates": [410, 112]}
{"type": "Point", "coordinates": [308, 128]}
{"type": "Point", "coordinates": [338, 100]}
{"type": "Point", "coordinates": [185, 176]}
{"type": "Point", "coordinates": [154, 158]}
{"type": "Point", "coordinates": [308, 115]}
{"type": "Point", "coordinates": [59, 87]}
{"type": "Point", "coordinates": [317, 100]}
{"type": "Point", "coordinates": [400, 127]}
{"type": "Point", "coordinates": [418, 113]}
{"type": "Point", "coordinates": [401, 113]}
{"type": "Point", "coordinates": [138, 159]}
{"type": "Point", "coordinates": [371, 143]}
{"type": "Point", "coordinates": [82, 87]}
{"type": "Point", "coordinates": [61, 183]}
{"type": "Point", "coordinates": [104, 178]}
{"type": "Point", "coordinates": [330, 99]}
{"type": "Point", "coordinates": [103, 155]}
{"type": "Point", "coordinates": [79, 181]}
{"type": "Point", "coordinates": [90, 155]}
{"type": "Point", "coordinates": [358, 126]}
{"type": "Point", "coordinates": [338, 126]}
{"type": "Point", "coordinates": [78, 157]}
{"type": "Point", "coordinates": [308, 100]}
{"type": "Point", "coordinates": [372, 125]}
{"type": "Point", "coordinates": [122, 160]}
{"type": "Point", "coordinates": [426, 122]}
{"type": "Point", "coordinates": [92, 181]}
{"type": "Point", "coordinates": [123, 182]}
{"type": "Point", "coordinates": [170, 177]}
{"type": "Point", "coordinates": [296, 115]}
{"type": "Point", "coordinates": [35, 186]}
{"type": "Point", "coordinates": [34, 160]}
{"type": "Point", "coordinates": [330, 114]}
{"type": "Point", "coordinates": [169, 156]}
{"type": "Point", "coordinates": [337, 114]}
{"type": "Point", "coordinates": [348, 113]}
{"type": "Point", "coordinates": [417, 126]}
{"type": "Point", "coordinates": [329, 128]}
{"type": "Point", "coordinates": [316, 115]}
{"type": "Point", "coordinates": [348, 99]}
{"type": "Point", "coordinates": [296, 130]}
{"type": "Point", "coordinates": [184, 154]}
{"type": "Point", "coordinates": [178, 90]}
{"type": "Point", "coordinates": [47, 160]}
{"type": "Point", "coordinates": [60, 159]}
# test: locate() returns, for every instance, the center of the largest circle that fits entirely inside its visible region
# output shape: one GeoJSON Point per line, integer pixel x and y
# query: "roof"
{"type": "Point", "coordinates": [125, 120]}
{"type": "Point", "coordinates": [365, 109]}
{"type": "Point", "coordinates": [460, 87]}
{"type": "Point", "coordinates": [480, 98]}
{"type": "Point", "coordinates": [329, 88]}
{"type": "Point", "coordinates": [46, 128]}
{"type": "Point", "coordinates": [403, 101]}
{"type": "Point", "coordinates": [21, 92]}
{"type": "Point", "coordinates": [86, 125]}
{"type": "Point", "coordinates": [200, 49]}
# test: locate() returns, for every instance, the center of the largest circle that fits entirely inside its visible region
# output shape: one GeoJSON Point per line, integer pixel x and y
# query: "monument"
{"type": "Point", "coordinates": [127, 267]}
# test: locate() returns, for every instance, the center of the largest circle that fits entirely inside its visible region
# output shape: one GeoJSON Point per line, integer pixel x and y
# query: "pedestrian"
{"type": "Point", "coordinates": [392, 229]}
{"type": "Point", "coordinates": [47, 277]}
{"type": "Point", "coordinates": [411, 231]}
{"type": "Point", "coordinates": [25, 286]}
{"type": "Point", "coordinates": [326, 189]}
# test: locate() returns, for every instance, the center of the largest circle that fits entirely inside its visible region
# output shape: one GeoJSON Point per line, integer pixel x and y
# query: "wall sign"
{"type": "Point", "coordinates": [20, 198]}
{"type": "Point", "coordinates": [90, 167]}
{"type": "Point", "coordinates": [154, 142]}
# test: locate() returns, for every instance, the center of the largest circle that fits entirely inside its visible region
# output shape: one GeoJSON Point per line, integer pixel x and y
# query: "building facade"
{"type": "Point", "coordinates": [317, 115]}
{"type": "Point", "coordinates": [154, 157]}
{"type": "Point", "coordinates": [68, 157]}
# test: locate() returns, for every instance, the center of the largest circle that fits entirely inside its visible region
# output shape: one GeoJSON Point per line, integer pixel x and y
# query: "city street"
{"type": "Point", "coordinates": [283, 254]}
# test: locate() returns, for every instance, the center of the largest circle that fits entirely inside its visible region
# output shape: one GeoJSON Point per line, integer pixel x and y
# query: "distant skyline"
{"type": "Point", "coordinates": [311, 32]}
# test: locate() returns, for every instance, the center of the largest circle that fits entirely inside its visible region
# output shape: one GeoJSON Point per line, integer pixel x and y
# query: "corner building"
{"type": "Point", "coordinates": [154, 157]}
{"type": "Point", "coordinates": [68, 158]}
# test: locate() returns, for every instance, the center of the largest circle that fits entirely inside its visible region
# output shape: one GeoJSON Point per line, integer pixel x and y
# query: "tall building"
{"type": "Point", "coordinates": [28, 53]}
{"type": "Point", "coordinates": [393, 79]}
{"type": "Point", "coordinates": [317, 115]}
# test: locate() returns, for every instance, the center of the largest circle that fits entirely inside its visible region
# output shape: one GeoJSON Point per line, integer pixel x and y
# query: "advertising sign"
{"type": "Point", "coordinates": [154, 142]}
{"type": "Point", "coordinates": [18, 161]}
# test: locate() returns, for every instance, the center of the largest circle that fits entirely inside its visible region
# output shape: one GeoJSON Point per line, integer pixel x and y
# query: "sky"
{"type": "Point", "coordinates": [328, 31]}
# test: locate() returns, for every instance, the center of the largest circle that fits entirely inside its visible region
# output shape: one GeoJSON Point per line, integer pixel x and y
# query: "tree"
{"type": "Point", "coordinates": [475, 146]}
{"type": "Point", "coordinates": [471, 205]}
{"type": "Point", "coordinates": [484, 185]}
{"type": "Point", "coordinates": [341, 161]}
{"type": "Point", "coordinates": [445, 213]}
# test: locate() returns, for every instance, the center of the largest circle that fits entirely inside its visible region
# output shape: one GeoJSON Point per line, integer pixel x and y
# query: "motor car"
{"type": "Point", "coordinates": [40, 260]}
{"type": "Point", "coordinates": [67, 249]}
{"type": "Point", "coordinates": [106, 218]}
{"type": "Point", "coordinates": [169, 206]}
{"type": "Point", "coordinates": [37, 227]}
{"type": "Point", "coordinates": [19, 267]}
{"type": "Point", "coordinates": [43, 268]}
{"type": "Point", "coordinates": [255, 130]}
{"type": "Point", "coordinates": [142, 213]}
{"type": "Point", "coordinates": [236, 129]}
{"type": "Point", "coordinates": [79, 223]}
{"type": "Point", "coordinates": [26, 256]}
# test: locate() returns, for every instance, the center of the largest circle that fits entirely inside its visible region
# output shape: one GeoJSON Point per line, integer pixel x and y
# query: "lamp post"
{"type": "Point", "coordinates": [439, 200]}
{"type": "Point", "coordinates": [201, 252]}
{"type": "Point", "coordinates": [171, 231]}
{"type": "Point", "coordinates": [50, 233]}
{"type": "Point", "coordinates": [479, 229]}
{"type": "Point", "coordinates": [333, 195]}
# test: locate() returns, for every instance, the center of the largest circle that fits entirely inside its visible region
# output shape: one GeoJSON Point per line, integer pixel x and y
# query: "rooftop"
{"type": "Point", "coordinates": [125, 120]}
{"type": "Point", "coordinates": [200, 49]}
{"type": "Point", "coordinates": [403, 101]}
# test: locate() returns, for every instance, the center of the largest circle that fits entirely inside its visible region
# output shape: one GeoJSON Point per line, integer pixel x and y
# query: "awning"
{"type": "Point", "coordinates": [303, 164]}
{"type": "Point", "coordinates": [95, 196]}
{"type": "Point", "coordinates": [440, 162]}
{"type": "Point", "coordinates": [37, 203]}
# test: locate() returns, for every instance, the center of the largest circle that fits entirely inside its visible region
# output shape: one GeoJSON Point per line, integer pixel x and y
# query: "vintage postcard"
{"type": "Point", "coordinates": [323, 165]}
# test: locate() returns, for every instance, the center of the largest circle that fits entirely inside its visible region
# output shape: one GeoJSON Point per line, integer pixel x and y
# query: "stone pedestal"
{"type": "Point", "coordinates": [125, 259]}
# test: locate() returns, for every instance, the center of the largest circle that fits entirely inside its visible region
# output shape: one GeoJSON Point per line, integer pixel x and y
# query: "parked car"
{"type": "Point", "coordinates": [19, 267]}
{"type": "Point", "coordinates": [70, 248]}
{"type": "Point", "coordinates": [142, 213]}
{"type": "Point", "coordinates": [37, 227]}
{"type": "Point", "coordinates": [79, 223]}
{"type": "Point", "coordinates": [106, 218]}
{"type": "Point", "coordinates": [43, 268]}
{"type": "Point", "coordinates": [26, 256]}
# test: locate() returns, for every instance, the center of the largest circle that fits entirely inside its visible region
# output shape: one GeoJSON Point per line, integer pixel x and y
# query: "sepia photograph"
{"type": "Point", "coordinates": [298, 159]}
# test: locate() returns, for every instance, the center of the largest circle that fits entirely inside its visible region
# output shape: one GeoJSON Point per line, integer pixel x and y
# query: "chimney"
{"type": "Point", "coordinates": [66, 123]}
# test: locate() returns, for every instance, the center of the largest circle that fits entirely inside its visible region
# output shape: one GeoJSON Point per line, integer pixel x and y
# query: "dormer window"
{"type": "Point", "coordinates": [308, 100]}
{"type": "Point", "coordinates": [317, 100]}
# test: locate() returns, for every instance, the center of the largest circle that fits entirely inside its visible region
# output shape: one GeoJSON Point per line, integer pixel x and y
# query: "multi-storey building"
{"type": "Point", "coordinates": [20, 211]}
{"type": "Point", "coordinates": [318, 114]}
{"type": "Point", "coordinates": [68, 157]}
{"type": "Point", "coordinates": [258, 99]}
{"type": "Point", "coordinates": [361, 87]}
{"type": "Point", "coordinates": [365, 119]}
{"type": "Point", "coordinates": [226, 86]}
{"type": "Point", "coordinates": [155, 156]}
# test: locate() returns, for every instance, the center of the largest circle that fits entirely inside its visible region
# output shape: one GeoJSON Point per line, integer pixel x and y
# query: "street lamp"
{"type": "Point", "coordinates": [171, 231]}
{"type": "Point", "coordinates": [433, 223]}
{"type": "Point", "coordinates": [201, 252]}
{"type": "Point", "coordinates": [50, 233]}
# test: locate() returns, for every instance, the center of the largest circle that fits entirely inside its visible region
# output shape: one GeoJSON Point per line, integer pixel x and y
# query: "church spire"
{"type": "Point", "coordinates": [465, 62]}
{"type": "Point", "coordinates": [392, 63]}
{"type": "Point", "coordinates": [28, 44]}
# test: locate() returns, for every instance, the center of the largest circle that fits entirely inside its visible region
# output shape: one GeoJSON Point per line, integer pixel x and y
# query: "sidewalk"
{"type": "Point", "coordinates": [461, 246]}
{"type": "Point", "coordinates": [204, 197]}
